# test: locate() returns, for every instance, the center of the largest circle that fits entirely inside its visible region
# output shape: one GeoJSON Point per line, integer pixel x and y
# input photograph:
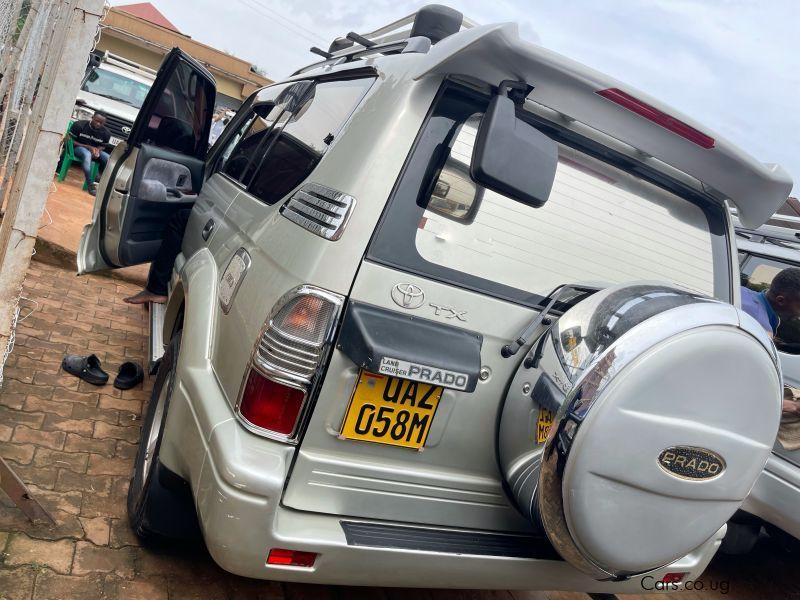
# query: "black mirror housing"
{"type": "Point", "coordinates": [513, 158]}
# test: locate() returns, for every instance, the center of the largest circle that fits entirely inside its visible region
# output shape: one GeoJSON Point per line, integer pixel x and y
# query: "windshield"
{"type": "Point", "coordinates": [116, 87]}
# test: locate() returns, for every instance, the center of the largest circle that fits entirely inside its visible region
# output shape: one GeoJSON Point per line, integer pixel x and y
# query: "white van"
{"type": "Point", "coordinates": [117, 87]}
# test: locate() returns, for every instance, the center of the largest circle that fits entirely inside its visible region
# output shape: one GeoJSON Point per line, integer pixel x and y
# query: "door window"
{"type": "Point", "coordinates": [757, 274]}
{"type": "Point", "coordinates": [182, 113]}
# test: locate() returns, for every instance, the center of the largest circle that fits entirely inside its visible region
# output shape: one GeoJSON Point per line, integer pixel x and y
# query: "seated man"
{"type": "Point", "coordinates": [780, 301]}
{"type": "Point", "coordinates": [88, 137]}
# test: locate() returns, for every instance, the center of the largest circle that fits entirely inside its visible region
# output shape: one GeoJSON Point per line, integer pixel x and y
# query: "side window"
{"type": "Point", "coordinates": [757, 274]}
{"type": "Point", "coordinates": [297, 142]}
{"type": "Point", "coordinates": [179, 119]}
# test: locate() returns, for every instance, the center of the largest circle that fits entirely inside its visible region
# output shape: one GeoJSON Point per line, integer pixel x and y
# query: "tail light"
{"type": "Point", "coordinates": [289, 353]}
{"type": "Point", "coordinates": [291, 558]}
{"type": "Point", "coordinates": [651, 113]}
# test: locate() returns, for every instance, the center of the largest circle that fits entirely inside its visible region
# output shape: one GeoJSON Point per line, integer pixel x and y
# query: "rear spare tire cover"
{"type": "Point", "coordinates": [668, 404]}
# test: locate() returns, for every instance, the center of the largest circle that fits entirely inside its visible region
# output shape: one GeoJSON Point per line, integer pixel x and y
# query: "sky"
{"type": "Point", "coordinates": [733, 65]}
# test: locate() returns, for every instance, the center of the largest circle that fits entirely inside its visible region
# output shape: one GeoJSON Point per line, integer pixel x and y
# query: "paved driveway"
{"type": "Point", "coordinates": [74, 444]}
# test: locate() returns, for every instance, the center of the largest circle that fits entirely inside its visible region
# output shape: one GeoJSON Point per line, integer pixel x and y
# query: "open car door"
{"type": "Point", "coordinates": [158, 171]}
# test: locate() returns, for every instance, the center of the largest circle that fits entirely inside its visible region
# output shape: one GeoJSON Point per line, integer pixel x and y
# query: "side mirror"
{"type": "Point", "coordinates": [454, 194]}
{"type": "Point", "coordinates": [513, 158]}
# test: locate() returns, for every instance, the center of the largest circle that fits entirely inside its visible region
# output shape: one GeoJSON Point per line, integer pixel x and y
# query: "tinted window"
{"type": "Point", "coordinates": [182, 113]}
{"type": "Point", "coordinates": [757, 274]}
{"type": "Point", "coordinates": [296, 142]}
{"type": "Point", "coordinates": [243, 151]}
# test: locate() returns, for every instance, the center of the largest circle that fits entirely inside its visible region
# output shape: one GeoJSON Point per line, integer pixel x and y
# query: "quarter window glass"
{"type": "Point", "coordinates": [757, 274]}
{"type": "Point", "coordinates": [233, 142]}
{"type": "Point", "coordinates": [297, 146]}
{"type": "Point", "coordinates": [243, 153]}
{"type": "Point", "coordinates": [599, 225]}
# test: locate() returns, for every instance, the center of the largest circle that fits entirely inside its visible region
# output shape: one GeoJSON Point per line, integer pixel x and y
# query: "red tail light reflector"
{"type": "Point", "coordinates": [271, 405]}
{"type": "Point", "coordinates": [291, 558]}
{"type": "Point", "coordinates": [651, 113]}
{"type": "Point", "coordinates": [673, 577]}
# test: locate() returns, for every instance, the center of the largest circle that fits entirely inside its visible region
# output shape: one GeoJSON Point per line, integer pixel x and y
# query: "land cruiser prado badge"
{"type": "Point", "coordinates": [691, 462]}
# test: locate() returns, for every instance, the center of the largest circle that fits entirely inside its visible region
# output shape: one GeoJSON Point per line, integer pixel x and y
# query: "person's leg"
{"type": "Point", "coordinates": [85, 156]}
{"type": "Point", "coordinates": [103, 160]}
{"type": "Point", "coordinates": [161, 267]}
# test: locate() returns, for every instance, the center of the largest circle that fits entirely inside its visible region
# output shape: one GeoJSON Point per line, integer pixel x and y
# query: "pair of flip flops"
{"type": "Point", "coordinates": [89, 369]}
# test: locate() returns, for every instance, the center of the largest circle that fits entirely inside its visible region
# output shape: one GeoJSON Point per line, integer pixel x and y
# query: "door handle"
{"type": "Point", "coordinates": [206, 233]}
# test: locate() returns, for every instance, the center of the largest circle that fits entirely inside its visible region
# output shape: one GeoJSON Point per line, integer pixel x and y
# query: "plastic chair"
{"type": "Point", "coordinates": [69, 158]}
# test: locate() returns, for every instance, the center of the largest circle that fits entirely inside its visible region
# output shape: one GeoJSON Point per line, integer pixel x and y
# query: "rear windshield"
{"type": "Point", "coordinates": [601, 225]}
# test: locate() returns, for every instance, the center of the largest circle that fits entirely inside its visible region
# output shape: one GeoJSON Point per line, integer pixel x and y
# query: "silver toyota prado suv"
{"type": "Point", "coordinates": [451, 310]}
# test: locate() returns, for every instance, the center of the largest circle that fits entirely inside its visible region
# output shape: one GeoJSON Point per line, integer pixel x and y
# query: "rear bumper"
{"type": "Point", "coordinates": [237, 480]}
{"type": "Point", "coordinates": [241, 527]}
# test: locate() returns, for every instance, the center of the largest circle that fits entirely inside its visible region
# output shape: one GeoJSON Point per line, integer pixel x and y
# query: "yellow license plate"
{"type": "Point", "coordinates": [388, 410]}
{"type": "Point", "coordinates": [543, 424]}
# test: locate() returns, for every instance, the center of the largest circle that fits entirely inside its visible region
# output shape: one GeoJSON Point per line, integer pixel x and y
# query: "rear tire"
{"type": "Point", "coordinates": [740, 538]}
{"type": "Point", "coordinates": [160, 504]}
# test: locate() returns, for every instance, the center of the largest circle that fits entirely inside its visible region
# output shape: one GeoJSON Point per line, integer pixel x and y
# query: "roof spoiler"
{"type": "Point", "coordinates": [494, 53]}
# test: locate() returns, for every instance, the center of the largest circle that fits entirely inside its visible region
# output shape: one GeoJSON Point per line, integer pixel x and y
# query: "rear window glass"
{"type": "Point", "coordinates": [600, 225]}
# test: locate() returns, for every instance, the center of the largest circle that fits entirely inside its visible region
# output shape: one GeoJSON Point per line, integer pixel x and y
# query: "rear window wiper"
{"type": "Point", "coordinates": [541, 319]}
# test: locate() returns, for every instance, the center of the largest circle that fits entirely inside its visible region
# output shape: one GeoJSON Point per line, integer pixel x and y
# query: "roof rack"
{"type": "Point", "coordinates": [782, 230]}
{"type": "Point", "coordinates": [433, 22]}
{"type": "Point", "coordinates": [124, 63]}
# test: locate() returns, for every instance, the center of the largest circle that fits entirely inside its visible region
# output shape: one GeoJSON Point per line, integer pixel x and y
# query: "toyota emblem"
{"type": "Point", "coordinates": [126, 129]}
{"type": "Point", "coordinates": [408, 295]}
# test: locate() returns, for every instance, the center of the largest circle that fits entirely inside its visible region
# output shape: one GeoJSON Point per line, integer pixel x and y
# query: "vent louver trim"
{"type": "Point", "coordinates": [320, 210]}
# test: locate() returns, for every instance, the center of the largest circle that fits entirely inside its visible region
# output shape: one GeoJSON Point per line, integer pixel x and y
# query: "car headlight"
{"type": "Point", "coordinates": [82, 114]}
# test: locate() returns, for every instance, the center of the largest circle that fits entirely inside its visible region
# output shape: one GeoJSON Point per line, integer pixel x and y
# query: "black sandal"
{"type": "Point", "coordinates": [130, 374]}
{"type": "Point", "coordinates": [86, 367]}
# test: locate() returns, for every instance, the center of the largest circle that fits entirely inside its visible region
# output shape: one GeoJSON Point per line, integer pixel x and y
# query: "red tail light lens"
{"type": "Point", "coordinates": [270, 405]}
{"type": "Point", "coordinates": [292, 558]}
{"type": "Point", "coordinates": [651, 113]}
{"type": "Point", "coordinates": [673, 577]}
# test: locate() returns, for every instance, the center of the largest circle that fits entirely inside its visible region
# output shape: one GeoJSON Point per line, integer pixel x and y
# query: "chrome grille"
{"type": "Point", "coordinates": [320, 210]}
{"type": "Point", "coordinates": [115, 125]}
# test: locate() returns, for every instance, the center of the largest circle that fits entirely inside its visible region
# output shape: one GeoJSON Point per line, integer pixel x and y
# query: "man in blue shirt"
{"type": "Point", "coordinates": [780, 301]}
